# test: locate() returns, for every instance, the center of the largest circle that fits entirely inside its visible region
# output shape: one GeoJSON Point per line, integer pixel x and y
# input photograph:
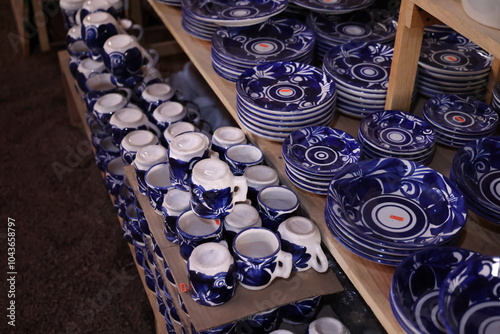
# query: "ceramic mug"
{"type": "Point", "coordinates": [145, 158]}
{"type": "Point", "coordinates": [154, 95]}
{"type": "Point", "coordinates": [157, 180]}
{"type": "Point", "coordinates": [194, 231]}
{"type": "Point", "coordinates": [128, 119]}
{"type": "Point", "coordinates": [226, 136]}
{"type": "Point", "coordinates": [275, 205]}
{"type": "Point", "coordinates": [124, 58]}
{"type": "Point", "coordinates": [265, 321]}
{"type": "Point", "coordinates": [101, 84]}
{"type": "Point", "coordinates": [105, 151]}
{"type": "Point", "coordinates": [258, 177]}
{"type": "Point", "coordinates": [301, 311]}
{"type": "Point", "coordinates": [134, 141]}
{"type": "Point", "coordinates": [105, 106]}
{"type": "Point", "coordinates": [327, 325]}
{"type": "Point", "coordinates": [259, 258]}
{"type": "Point", "coordinates": [96, 29]}
{"type": "Point", "coordinates": [176, 128]}
{"type": "Point", "coordinates": [92, 6]}
{"type": "Point", "coordinates": [85, 69]}
{"type": "Point", "coordinates": [241, 156]}
{"type": "Point", "coordinates": [214, 189]}
{"type": "Point", "coordinates": [301, 238]}
{"type": "Point", "coordinates": [242, 217]}
{"type": "Point", "coordinates": [69, 8]}
{"type": "Point", "coordinates": [184, 152]}
{"type": "Point", "coordinates": [211, 274]}
{"type": "Point", "coordinates": [167, 113]}
{"type": "Point", "coordinates": [114, 176]}
{"type": "Point", "coordinates": [175, 202]}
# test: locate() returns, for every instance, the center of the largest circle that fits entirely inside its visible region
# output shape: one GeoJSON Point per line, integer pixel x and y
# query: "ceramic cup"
{"type": "Point", "coordinates": [101, 84]}
{"type": "Point", "coordinates": [69, 8]}
{"type": "Point", "coordinates": [154, 95]}
{"type": "Point", "coordinates": [174, 129]}
{"type": "Point", "coordinates": [151, 76]}
{"type": "Point", "coordinates": [92, 6]}
{"type": "Point", "coordinates": [242, 217]}
{"type": "Point", "coordinates": [86, 68]}
{"type": "Point", "coordinates": [281, 331]}
{"type": "Point", "coordinates": [184, 152]}
{"type": "Point", "coordinates": [301, 238]}
{"type": "Point", "coordinates": [128, 119]}
{"type": "Point", "coordinates": [241, 156]}
{"type": "Point", "coordinates": [114, 176]}
{"type": "Point", "coordinates": [105, 151]}
{"type": "Point", "coordinates": [226, 136]}
{"type": "Point", "coordinates": [214, 189]}
{"type": "Point", "coordinates": [167, 113]}
{"type": "Point", "coordinates": [134, 141]}
{"type": "Point", "coordinates": [158, 183]}
{"type": "Point", "coordinates": [175, 202]}
{"type": "Point", "coordinates": [105, 106]}
{"type": "Point", "coordinates": [211, 274]}
{"type": "Point", "coordinates": [124, 58]}
{"type": "Point", "coordinates": [265, 321]}
{"type": "Point", "coordinates": [96, 29]}
{"type": "Point", "coordinates": [301, 311]}
{"type": "Point", "coordinates": [275, 205]}
{"type": "Point", "coordinates": [327, 325]}
{"type": "Point", "coordinates": [259, 258]}
{"type": "Point", "coordinates": [145, 158]}
{"type": "Point", "coordinates": [194, 231]}
{"type": "Point", "coordinates": [258, 177]}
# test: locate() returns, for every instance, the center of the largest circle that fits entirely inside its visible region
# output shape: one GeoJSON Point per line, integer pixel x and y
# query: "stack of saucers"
{"type": "Point", "coordinates": [361, 72]}
{"type": "Point", "coordinates": [314, 155]}
{"type": "Point", "coordinates": [277, 98]}
{"type": "Point", "coordinates": [396, 134]}
{"type": "Point", "coordinates": [234, 49]}
{"type": "Point", "coordinates": [476, 171]}
{"type": "Point", "coordinates": [495, 102]}
{"type": "Point", "coordinates": [334, 7]}
{"type": "Point", "coordinates": [369, 25]}
{"type": "Point", "coordinates": [458, 120]}
{"type": "Point", "coordinates": [197, 28]}
{"type": "Point", "coordinates": [452, 65]}
{"type": "Point", "coordinates": [386, 209]}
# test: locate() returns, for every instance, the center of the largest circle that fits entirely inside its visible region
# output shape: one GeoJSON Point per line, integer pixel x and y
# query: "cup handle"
{"type": "Point", "coordinates": [319, 260]}
{"type": "Point", "coordinates": [241, 189]}
{"type": "Point", "coordinates": [127, 92]}
{"type": "Point", "coordinates": [154, 128]}
{"type": "Point", "coordinates": [284, 265]}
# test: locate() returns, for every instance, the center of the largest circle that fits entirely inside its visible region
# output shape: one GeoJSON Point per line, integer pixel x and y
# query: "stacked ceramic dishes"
{"type": "Point", "coordinates": [197, 28]}
{"type": "Point", "coordinates": [277, 98]}
{"type": "Point", "coordinates": [476, 171]}
{"type": "Point", "coordinates": [495, 101]}
{"type": "Point", "coordinates": [458, 120]}
{"type": "Point", "coordinates": [386, 209]}
{"type": "Point", "coordinates": [234, 49]}
{"type": "Point", "coordinates": [234, 13]}
{"type": "Point", "coordinates": [452, 64]}
{"type": "Point", "coordinates": [373, 25]}
{"type": "Point", "coordinates": [361, 72]}
{"type": "Point", "coordinates": [176, 3]}
{"type": "Point", "coordinates": [314, 155]}
{"type": "Point", "coordinates": [396, 134]}
{"type": "Point", "coordinates": [334, 7]}
{"type": "Point", "coordinates": [416, 285]}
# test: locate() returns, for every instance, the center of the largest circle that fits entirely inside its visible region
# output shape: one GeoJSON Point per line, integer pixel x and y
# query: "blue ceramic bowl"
{"type": "Point", "coordinates": [469, 299]}
{"type": "Point", "coordinates": [396, 203]}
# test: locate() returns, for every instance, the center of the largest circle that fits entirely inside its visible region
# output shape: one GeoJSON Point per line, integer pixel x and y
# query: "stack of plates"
{"type": "Point", "coordinates": [277, 98]}
{"type": "Point", "coordinates": [361, 72]}
{"type": "Point", "coordinates": [235, 49]}
{"type": "Point", "coordinates": [452, 65]}
{"type": "Point", "coordinates": [314, 155]}
{"type": "Point", "coordinates": [234, 13]}
{"type": "Point", "coordinates": [396, 134]}
{"type": "Point", "coordinates": [334, 7]}
{"type": "Point", "coordinates": [457, 120]}
{"type": "Point", "coordinates": [197, 28]}
{"type": "Point", "coordinates": [368, 25]}
{"type": "Point", "coordinates": [476, 171]}
{"type": "Point", "coordinates": [176, 3]}
{"type": "Point", "coordinates": [386, 209]}
{"type": "Point", "coordinates": [495, 102]}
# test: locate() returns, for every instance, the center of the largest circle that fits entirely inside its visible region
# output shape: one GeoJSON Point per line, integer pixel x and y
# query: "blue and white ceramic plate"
{"type": "Point", "coordinates": [234, 12]}
{"type": "Point", "coordinates": [360, 65]}
{"type": "Point", "coordinates": [334, 6]}
{"type": "Point", "coordinates": [276, 39]}
{"type": "Point", "coordinates": [469, 299]}
{"type": "Point", "coordinates": [460, 115]}
{"type": "Point", "coordinates": [416, 284]}
{"type": "Point", "coordinates": [320, 149]}
{"type": "Point", "coordinates": [396, 203]}
{"type": "Point", "coordinates": [448, 58]}
{"type": "Point", "coordinates": [285, 86]}
{"type": "Point", "coordinates": [395, 131]}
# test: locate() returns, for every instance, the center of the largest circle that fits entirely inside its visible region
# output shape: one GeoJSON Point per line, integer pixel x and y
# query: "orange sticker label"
{"type": "Point", "coordinates": [263, 45]}
{"type": "Point", "coordinates": [396, 218]}
{"type": "Point", "coordinates": [183, 287]}
{"type": "Point", "coordinates": [217, 222]}
{"type": "Point", "coordinates": [285, 90]}
{"type": "Point", "coordinates": [459, 119]}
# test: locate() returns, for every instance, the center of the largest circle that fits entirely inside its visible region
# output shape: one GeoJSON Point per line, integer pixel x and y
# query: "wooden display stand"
{"type": "Point", "coordinates": [371, 279]}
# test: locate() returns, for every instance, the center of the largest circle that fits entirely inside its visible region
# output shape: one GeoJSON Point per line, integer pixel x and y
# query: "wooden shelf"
{"type": "Point", "coordinates": [371, 279]}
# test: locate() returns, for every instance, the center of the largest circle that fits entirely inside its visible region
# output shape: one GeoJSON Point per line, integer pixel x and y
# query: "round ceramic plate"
{"type": "Point", "coordinates": [334, 6]}
{"type": "Point", "coordinates": [320, 149]}
{"type": "Point", "coordinates": [397, 203]}
{"type": "Point", "coordinates": [395, 131]}
{"type": "Point", "coordinates": [234, 12]}
{"type": "Point", "coordinates": [285, 86]}
{"type": "Point", "coordinates": [361, 65]}
{"type": "Point", "coordinates": [416, 282]}
{"type": "Point", "coordinates": [462, 115]}
{"type": "Point", "coordinates": [272, 40]}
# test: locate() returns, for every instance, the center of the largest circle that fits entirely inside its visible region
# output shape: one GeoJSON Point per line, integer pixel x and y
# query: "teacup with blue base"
{"type": "Point", "coordinates": [275, 205]}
